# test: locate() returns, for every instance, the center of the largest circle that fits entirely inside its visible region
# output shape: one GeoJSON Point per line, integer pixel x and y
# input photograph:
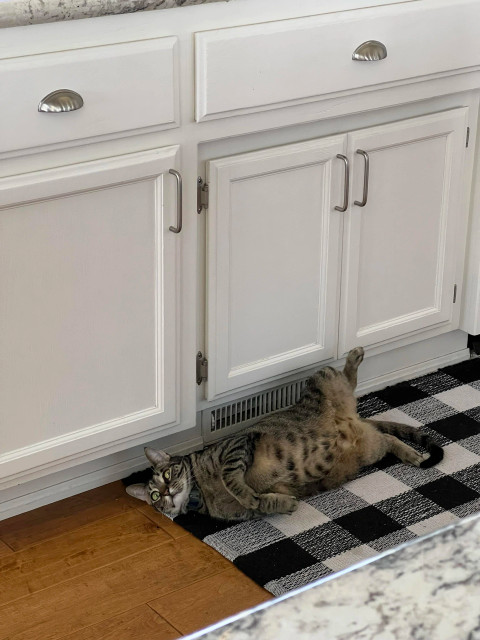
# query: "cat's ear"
{"type": "Point", "coordinates": [157, 458]}
{"type": "Point", "coordinates": [137, 491]}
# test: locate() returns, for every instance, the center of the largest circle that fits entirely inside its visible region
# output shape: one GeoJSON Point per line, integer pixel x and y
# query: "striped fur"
{"type": "Point", "coordinates": [315, 445]}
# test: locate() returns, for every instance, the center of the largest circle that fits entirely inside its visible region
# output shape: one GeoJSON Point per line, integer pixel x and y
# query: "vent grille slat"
{"type": "Point", "coordinates": [217, 422]}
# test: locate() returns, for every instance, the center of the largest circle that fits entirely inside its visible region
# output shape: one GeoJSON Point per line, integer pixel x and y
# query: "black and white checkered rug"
{"type": "Point", "coordinates": [390, 503]}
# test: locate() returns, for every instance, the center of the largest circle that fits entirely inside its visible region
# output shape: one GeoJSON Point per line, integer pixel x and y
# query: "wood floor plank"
{"type": "Point", "coordinates": [74, 553]}
{"type": "Point", "coordinates": [109, 591]}
{"type": "Point", "coordinates": [210, 600]}
{"type": "Point", "coordinates": [4, 549]}
{"type": "Point", "coordinates": [65, 515]}
{"type": "Point", "coordinates": [162, 521]}
{"type": "Point", "coordinates": [141, 623]}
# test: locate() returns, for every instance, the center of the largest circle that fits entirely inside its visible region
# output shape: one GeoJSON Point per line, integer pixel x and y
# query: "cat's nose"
{"type": "Point", "coordinates": [166, 492]}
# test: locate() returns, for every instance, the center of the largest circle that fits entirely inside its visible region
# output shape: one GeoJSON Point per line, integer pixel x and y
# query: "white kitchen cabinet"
{"type": "Point", "coordinates": [89, 307]}
{"type": "Point", "coordinates": [273, 261]}
{"type": "Point", "coordinates": [292, 281]}
{"type": "Point", "coordinates": [401, 247]}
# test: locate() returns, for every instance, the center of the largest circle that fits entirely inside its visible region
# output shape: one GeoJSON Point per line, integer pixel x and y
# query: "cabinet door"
{"type": "Point", "coordinates": [88, 344]}
{"type": "Point", "coordinates": [400, 249]}
{"type": "Point", "coordinates": [273, 261]}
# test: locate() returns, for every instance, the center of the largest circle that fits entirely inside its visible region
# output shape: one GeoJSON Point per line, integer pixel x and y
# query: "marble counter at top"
{"type": "Point", "coordinates": [14, 13]}
{"type": "Point", "coordinates": [427, 589]}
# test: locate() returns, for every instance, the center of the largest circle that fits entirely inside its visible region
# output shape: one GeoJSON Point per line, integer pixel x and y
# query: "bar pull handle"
{"type": "Point", "coordinates": [366, 176]}
{"type": "Point", "coordinates": [178, 178]}
{"type": "Point", "coordinates": [346, 187]}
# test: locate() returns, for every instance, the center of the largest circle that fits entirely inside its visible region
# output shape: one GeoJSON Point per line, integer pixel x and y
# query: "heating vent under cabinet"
{"type": "Point", "coordinates": [228, 418]}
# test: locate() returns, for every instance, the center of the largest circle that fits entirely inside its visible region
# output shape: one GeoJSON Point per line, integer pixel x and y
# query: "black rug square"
{"type": "Point", "coordinates": [275, 561]}
{"type": "Point", "coordinates": [447, 492]}
{"type": "Point", "coordinates": [368, 524]}
{"type": "Point", "coordinates": [402, 393]}
{"type": "Point", "coordinates": [468, 371]}
{"type": "Point", "coordinates": [456, 427]}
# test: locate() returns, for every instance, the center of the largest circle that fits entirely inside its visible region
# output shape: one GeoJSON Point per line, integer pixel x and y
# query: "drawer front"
{"type": "Point", "coordinates": [264, 66]}
{"type": "Point", "coordinates": [124, 87]}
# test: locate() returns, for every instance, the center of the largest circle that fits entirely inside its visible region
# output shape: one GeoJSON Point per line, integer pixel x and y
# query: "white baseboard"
{"type": "Point", "coordinates": [407, 373]}
{"type": "Point", "coordinates": [72, 485]}
{"type": "Point", "coordinates": [84, 477]}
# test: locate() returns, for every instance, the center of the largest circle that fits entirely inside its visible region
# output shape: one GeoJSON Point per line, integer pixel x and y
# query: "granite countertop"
{"type": "Point", "coordinates": [427, 589]}
{"type": "Point", "coordinates": [14, 13]}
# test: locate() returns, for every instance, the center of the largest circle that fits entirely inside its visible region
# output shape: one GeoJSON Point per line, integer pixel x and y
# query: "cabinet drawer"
{"type": "Point", "coordinates": [124, 87]}
{"type": "Point", "coordinates": [264, 66]}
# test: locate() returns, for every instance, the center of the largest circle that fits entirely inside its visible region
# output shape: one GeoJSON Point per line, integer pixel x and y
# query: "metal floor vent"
{"type": "Point", "coordinates": [228, 418]}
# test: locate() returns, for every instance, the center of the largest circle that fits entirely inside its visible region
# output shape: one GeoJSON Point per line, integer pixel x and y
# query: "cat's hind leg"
{"type": "Point", "coordinates": [354, 360]}
{"type": "Point", "coordinates": [404, 452]}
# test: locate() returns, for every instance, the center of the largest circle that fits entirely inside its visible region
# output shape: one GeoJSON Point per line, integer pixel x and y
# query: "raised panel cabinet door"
{"type": "Point", "coordinates": [273, 261]}
{"type": "Point", "coordinates": [400, 249]}
{"type": "Point", "coordinates": [88, 307]}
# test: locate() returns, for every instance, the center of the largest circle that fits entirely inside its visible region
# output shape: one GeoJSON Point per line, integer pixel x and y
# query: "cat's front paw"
{"type": "Point", "coordinates": [277, 503]}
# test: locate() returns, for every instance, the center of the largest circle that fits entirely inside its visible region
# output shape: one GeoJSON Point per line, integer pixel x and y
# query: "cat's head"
{"type": "Point", "coordinates": [169, 489]}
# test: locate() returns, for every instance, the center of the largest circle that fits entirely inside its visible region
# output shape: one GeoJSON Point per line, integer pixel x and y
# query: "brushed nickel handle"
{"type": "Point", "coordinates": [370, 51]}
{"type": "Point", "coordinates": [365, 178]}
{"type": "Point", "coordinates": [178, 178]}
{"type": "Point", "coordinates": [61, 101]}
{"type": "Point", "coordinates": [346, 186]}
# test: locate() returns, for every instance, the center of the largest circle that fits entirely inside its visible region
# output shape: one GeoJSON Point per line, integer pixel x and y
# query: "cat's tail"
{"type": "Point", "coordinates": [417, 436]}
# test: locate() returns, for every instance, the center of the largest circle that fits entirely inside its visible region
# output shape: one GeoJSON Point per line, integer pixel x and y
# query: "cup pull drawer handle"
{"type": "Point", "coordinates": [60, 101]}
{"type": "Point", "coordinates": [370, 51]}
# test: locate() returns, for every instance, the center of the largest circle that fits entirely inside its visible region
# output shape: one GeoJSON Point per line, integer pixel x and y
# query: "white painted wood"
{"type": "Point", "coordinates": [125, 86]}
{"type": "Point", "coordinates": [264, 66]}
{"type": "Point", "coordinates": [332, 112]}
{"type": "Point", "coordinates": [273, 257]}
{"type": "Point", "coordinates": [400, 250]}
{"type": "Point", "coordinates": [88, 294]}
{"type": "Point", "coordinates": [470, 318]}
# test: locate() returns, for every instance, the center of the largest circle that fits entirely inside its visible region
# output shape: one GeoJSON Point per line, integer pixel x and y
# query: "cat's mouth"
{"type": "Point", "coordinates": [174, 502]}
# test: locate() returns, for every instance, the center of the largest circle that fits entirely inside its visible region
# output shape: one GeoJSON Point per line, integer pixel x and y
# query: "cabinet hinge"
{"type": "Point", "coordinates": [202, 368]}
{"type": "Point", "coordinates": [468, 137]}
{"type": "Point", "coordinates": [454, 293]}
{"type": "Point", "coordinates": [202, 195]}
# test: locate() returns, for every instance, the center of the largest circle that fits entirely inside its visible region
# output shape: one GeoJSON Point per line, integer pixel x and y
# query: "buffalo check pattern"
{"type": "Point", "coordinates": [388, 504]}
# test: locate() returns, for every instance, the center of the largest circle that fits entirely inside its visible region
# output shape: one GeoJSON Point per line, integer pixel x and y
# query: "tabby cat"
{"type": "Point", "coordinates": [315, 445]}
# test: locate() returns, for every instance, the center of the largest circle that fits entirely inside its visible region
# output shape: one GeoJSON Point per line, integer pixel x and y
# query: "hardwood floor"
{"type": "Point", "coordinates": [102, 565]}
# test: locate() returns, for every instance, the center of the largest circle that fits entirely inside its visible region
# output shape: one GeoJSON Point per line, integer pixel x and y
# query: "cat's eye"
{"type": "Point", "coordinates": [167, 474]}
{"type": "Point", "coordinates": [155, 495]}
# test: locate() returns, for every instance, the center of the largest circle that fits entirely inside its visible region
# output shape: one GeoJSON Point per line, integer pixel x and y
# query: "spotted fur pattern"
{"type": "Point", "coordinates": [315, 445]}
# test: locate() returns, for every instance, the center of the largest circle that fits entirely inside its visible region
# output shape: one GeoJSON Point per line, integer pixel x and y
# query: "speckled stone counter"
{"type": "Point", "coordinates": [14, 13]}
{"type": "Point", "coordinates": [428, 589]}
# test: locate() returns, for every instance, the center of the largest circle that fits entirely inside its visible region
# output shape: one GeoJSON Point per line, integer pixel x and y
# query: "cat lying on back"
{"type": "Point", "coordinates": [315, 445]}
